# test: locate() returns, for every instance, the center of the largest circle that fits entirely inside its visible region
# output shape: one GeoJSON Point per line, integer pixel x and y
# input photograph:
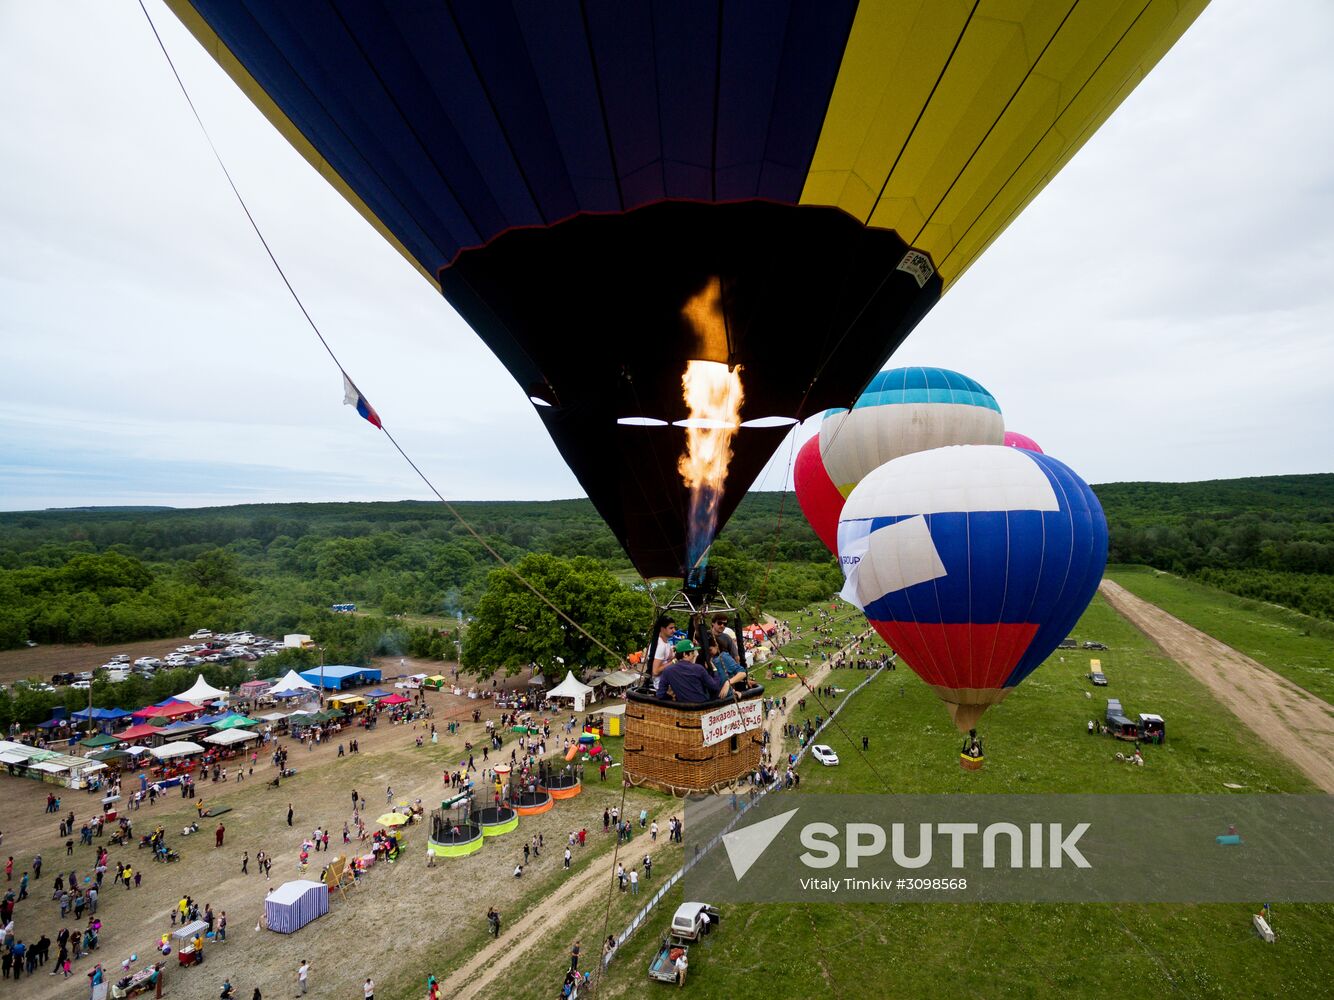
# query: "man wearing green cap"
{"type": "Point", "coordinates": [686, 681]}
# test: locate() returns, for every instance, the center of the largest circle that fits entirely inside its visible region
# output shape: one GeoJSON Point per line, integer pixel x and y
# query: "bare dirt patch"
{"type": "Point", "coordinates": [1290, 719]}
{"type": "Point", "coordinates": [41, 662]}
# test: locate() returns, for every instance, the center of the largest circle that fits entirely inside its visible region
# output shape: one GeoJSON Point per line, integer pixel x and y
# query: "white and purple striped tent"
{"type": "Point", "coordinates": [294, 904]}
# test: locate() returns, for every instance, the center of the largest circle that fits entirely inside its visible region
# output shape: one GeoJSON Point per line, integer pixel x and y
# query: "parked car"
{"type": "Point", "coordinates": [1095, 645]}
{"type": "Point", "coordinates": [85, 675]}
{"type": "Point", "coordinates": [1098, 678]}
{"type": "Point", "coordinates": [121, 658]}
{"type": "Point", "coordinates": [202, 633]}
{"type": "Point", "coordinates": [148, 661]}
{"type": "Point", "coordinates": [62, 679]}
{"type": "Point", "coordinates": [824, 754]}
{"type": "Point", "coordinates": [1067, 644]}
{"type": "Point", "coordinates": [688, 926]}
{"type": "Point", "coordinates": [79, 685]}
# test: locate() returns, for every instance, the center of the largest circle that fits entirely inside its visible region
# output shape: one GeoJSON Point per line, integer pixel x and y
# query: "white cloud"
{"type": "Point", "coordinates": [1161, 311]}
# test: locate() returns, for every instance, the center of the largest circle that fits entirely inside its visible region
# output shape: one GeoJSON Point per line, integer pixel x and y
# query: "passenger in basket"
{"type": "Point", "coordinates": [688, 682]}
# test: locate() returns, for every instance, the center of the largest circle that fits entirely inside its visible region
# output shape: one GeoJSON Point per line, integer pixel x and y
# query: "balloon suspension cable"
{"type": "Point", "coordinates": [490, 550]}
{"type": "Point", "coordinates": [830, 716]}
{"type": "Point", "coordinates": [778, 528]}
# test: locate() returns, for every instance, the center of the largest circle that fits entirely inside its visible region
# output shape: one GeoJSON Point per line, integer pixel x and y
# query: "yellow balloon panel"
{"type": "Point", "coordinates": [946, 119]}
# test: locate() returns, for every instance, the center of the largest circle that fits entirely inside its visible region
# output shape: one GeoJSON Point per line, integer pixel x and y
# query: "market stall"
{"type": "Point", "coordinates": [294, 904]}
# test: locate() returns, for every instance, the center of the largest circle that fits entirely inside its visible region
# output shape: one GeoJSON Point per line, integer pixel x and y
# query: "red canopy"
{"type": "Point", "coordinates": [395, 699]}
{"type": "Point", "coordinates": [169, 711]}
{"type": "Point", "coordinates": [138, 732]}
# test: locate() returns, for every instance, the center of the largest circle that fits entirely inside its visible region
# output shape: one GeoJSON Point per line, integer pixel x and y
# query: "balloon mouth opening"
{"type": "Point", "coordinates": [703, 423]}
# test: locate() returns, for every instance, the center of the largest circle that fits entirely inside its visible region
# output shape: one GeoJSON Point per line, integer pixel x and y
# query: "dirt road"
{"type": "Point", "coordinates": [1290, 719]}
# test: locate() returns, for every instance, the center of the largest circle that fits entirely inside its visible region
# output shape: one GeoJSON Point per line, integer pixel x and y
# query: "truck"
{"type": "Point", "coordinates": [691, 921]}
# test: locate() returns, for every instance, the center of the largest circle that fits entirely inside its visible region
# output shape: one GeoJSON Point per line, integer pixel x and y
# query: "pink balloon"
{"type": "Point", "coordinates": [1014, 439]}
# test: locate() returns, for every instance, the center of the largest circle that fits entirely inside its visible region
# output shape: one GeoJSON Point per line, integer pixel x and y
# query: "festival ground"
{"type": "Point", "coordinates": [403, 921]}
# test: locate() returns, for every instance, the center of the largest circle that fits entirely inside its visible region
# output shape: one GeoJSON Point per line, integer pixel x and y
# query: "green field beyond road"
{"type": "Point", "coordinates": [1294, 645]}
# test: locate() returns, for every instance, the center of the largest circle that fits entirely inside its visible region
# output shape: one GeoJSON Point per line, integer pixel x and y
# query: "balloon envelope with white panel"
{"type": "Point", "coordinates": [906, 410]}
{"type": "Point", "coordinates": [973, 563]}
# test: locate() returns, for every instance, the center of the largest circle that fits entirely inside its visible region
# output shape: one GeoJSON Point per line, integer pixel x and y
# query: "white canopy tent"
{"type": "Point", "coordinates": [202, 692]}
{"type": "Point", "coordinates": [618, 679]}
{"type": "Point", "coordinates": [181, 749]}
{"type": "Point", "coordinates": [273, 717]}
{"type": "Point", "coordinates": [291, 681]}
{"type": "Point", "coordinates": [229, 736]}
{"type": "Point", "coordinates": [617, 709]}
{"type": "Point", "coordinates": [572, 688]}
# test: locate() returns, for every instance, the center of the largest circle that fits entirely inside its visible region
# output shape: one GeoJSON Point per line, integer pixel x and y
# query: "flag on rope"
{"type": "Point", "coordinates": [352, 397]}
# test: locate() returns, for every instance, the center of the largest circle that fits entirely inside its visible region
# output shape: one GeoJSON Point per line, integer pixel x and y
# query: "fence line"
{"type": "Point", "coordinates": [639, 918]}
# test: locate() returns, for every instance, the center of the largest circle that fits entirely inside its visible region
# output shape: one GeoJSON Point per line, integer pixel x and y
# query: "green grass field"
{"type": "Point", "coordinates": [1036, 742]}
{"type": "Point", "coordinates": [1299, 647]}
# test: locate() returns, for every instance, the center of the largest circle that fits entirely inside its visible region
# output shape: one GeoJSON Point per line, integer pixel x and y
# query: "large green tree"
{"type": "Point", "coordinates": [514, 627]}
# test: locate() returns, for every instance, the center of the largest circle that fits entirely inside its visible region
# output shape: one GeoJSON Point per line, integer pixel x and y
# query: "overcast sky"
{"type": "Point", "coordinates": [1163, 311]}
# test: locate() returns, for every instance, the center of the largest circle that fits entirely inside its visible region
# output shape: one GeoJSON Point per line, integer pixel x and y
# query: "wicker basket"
{"type": "Point", "coordinates": [664, 747]}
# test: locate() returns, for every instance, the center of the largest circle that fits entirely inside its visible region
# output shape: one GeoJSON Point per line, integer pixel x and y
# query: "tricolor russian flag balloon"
{"type": "Point", "coordinates": [906, 410]}
{"type": "Point", "coordinates": [819, 498]}
{"type": "Point", "coordinates": [973, 563]}
{"type": "Point", "coordinates": [1013, 439]}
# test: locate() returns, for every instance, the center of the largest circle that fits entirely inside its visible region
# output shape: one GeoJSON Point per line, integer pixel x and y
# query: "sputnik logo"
{"type": "Point", "coordinates": [745, 846]}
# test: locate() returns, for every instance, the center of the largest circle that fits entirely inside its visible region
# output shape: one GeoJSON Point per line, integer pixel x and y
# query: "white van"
{"type": "Point", "coordinates": [118, 672]}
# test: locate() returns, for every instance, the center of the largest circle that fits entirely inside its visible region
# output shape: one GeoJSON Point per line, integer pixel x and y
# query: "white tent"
{"type": "Point", "coordinates": [571, 688]}
{"type": "Point", "coordinates": [617, 709]}
{"type": "Point", "coordinates": [618, 679]}
{"type": "Point", "coordinates": [292, 681]}
{"type": "Point", "coordinates": [201, 692]}
{"type": "Point", "coordinates": [181, 749]}
{"type": "Point", "coordinates": [229, 736]}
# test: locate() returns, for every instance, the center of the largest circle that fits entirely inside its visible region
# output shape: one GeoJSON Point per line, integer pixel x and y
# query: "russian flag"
{"type": "Point", "coordinates": [352, 397]}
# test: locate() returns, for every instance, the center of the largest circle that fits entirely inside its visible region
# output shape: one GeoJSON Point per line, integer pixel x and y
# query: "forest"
{"type": "Point", "coordinates": [110, 575]}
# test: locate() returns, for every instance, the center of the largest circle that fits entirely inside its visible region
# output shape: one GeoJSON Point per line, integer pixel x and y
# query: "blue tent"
{"type": "Point", "coordinates": [337, 677]}
{"type": "Point", "coordinates": [101, 713]}
{"type": "Point", "coordinates": [378, 693]}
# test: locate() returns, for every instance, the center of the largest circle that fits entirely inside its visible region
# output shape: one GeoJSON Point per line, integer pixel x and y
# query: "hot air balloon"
{"type": "Point", "coordinates": [819, 498]}
{"type": "Point", "coordinates": [973, 562]}
{"type": "Point", "coordinates": [902, 411]}
{"type": "Point", "coordinates": [608, 192]}
{"type": "Point", "coordinates": [1013, 439]}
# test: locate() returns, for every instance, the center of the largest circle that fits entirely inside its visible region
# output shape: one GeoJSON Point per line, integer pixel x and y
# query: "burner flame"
{"type": "Point", "coordinates": [713, 396]}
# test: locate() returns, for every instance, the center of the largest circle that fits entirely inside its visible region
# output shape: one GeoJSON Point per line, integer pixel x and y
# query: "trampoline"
{"type": "Point", "coordinates": [561, 786]}
{"type": "Point", "coordinates": [532, 803]}
{"type": "Point", "coordinates": [445, 843]}
{"type": "Point", "coordinates": [495, 820]}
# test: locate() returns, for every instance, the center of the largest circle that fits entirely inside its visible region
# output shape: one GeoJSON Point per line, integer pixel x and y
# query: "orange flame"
{"type": "Point", "coordinates": [713, 395]}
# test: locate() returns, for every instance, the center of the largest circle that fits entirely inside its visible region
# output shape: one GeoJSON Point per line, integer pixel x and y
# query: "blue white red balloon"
{"type": "Point", "coordinates": [973, 563]}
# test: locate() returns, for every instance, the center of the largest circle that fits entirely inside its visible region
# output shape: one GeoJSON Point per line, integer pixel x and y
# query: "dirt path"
{"type": "Point", "coordinates": [1290, 719]}
{"type": "Point", "coordinates": [504, 953]}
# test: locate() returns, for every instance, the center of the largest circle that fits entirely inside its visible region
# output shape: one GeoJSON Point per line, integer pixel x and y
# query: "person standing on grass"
{"type": "Point", "coordinates": [574, 956]}
{"type": "Point", "coordinates": [303, 977]}
{"type": "Point", "coordinates": [245, 862]}
{"type": "Point", "coordinates": [289, 814]}
{"type": "Point", "coordinates": [368, 990]}
{"type": "Point", "coordinates": [217, 835]}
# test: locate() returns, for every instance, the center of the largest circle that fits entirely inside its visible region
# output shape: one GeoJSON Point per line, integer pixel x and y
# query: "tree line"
{"type": "Point", "coordinates": [113, 575]}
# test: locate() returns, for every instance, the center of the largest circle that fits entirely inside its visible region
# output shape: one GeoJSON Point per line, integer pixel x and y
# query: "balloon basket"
{"type": "Point", "coordinates": [971, 763]}
{"type": "Point", "coordinates": [664, 746]}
